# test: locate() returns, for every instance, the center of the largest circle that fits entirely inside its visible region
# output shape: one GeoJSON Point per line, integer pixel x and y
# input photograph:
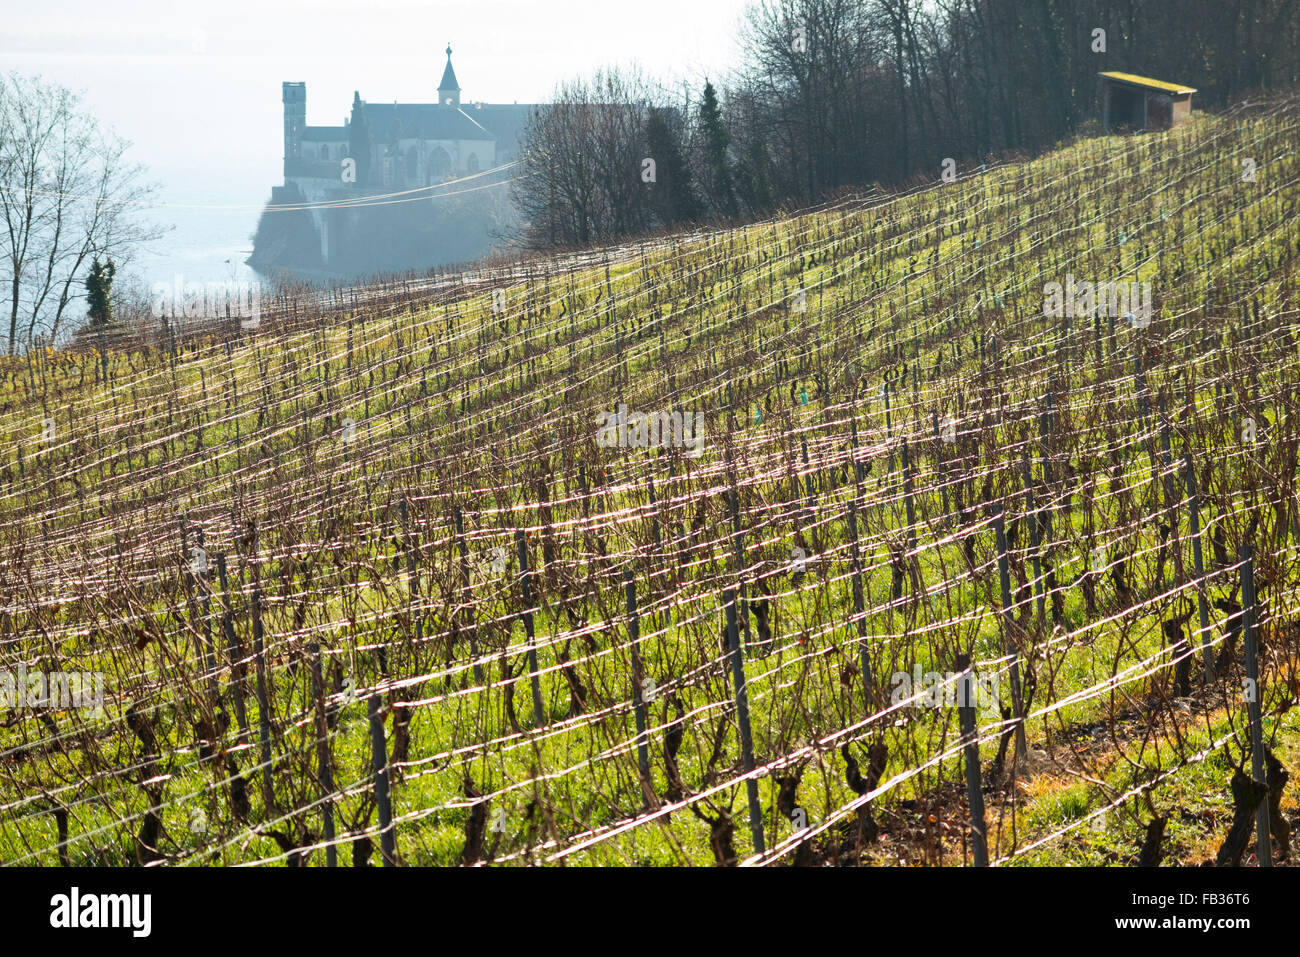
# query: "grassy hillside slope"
{"type": "Point", "coordinates": [880, 389]}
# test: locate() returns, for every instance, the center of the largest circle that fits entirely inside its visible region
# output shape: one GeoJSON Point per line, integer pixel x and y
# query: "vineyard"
{"type": "Point", "coordinates": [875, 559]}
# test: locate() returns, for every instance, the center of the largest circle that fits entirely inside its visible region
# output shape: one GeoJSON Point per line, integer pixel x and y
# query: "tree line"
{"type": "Point", "coordinates": [843, 94]}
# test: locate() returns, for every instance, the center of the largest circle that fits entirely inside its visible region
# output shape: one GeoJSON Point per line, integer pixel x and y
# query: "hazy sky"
{"type": "Point", "coordinates": [196, 86]}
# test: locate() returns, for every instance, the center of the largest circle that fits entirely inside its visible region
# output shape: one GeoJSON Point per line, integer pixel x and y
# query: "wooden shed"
{"type": "Point", "coordinates": [1136, 102]}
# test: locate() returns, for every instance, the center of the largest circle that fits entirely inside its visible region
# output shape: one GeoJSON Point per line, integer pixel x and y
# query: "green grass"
{"type": "Point", "coordinates": [243, 436]}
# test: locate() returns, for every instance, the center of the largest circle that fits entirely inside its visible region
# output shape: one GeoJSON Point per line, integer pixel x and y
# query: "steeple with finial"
{"type": "Point", "coordinates": [449, 89]}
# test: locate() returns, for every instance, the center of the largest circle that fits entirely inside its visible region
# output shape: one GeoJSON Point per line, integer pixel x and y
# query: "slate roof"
{"type": "Point", "coordinates": [506, 122]}
{"type": "Point", "coordinates": [501, 123]}
{"type": "Point", "coordinates": [424, 121]}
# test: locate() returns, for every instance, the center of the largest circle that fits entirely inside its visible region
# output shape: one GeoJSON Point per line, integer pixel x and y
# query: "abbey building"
{"type": "Point", "coordinates": [389, 147]}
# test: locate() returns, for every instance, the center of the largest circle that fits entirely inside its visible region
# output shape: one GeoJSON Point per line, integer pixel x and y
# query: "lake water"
{"type": "Point", "coordinates": [202, 246]}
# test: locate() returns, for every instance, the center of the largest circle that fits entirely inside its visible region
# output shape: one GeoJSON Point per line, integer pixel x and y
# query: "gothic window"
{"type": "Point", "coordinates": [439, 163]}
{"type": "Point", "coordinates": [472, 165]}
{"type": "Point", "coordinates": [324, 152]}
{"type": "Point", "coordinates": [412, 163]}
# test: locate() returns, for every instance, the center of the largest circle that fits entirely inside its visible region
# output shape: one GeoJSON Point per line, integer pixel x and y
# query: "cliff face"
{"type": "Point", "coordinates": [285, 239]}
{"type": "Point", "coordinates": [382, 237]}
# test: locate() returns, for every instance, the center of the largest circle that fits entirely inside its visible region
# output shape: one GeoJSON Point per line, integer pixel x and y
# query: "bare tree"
{"type": "Point", "coordinates": [836, 94]}
{"type": "Point", "coordinates": [812, 64]}
{"type": "Point", "coordinates": [67, 193]}
{"type": "Point", "coordinates": [580, 181]}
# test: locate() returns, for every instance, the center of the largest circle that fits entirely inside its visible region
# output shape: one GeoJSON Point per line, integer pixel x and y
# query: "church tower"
{"type": "Point", "coordinates": [294, 96]}
{"type": "Point", "coordinates": [449, 89]}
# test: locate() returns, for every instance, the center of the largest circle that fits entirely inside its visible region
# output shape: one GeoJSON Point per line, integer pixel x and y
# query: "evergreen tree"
{"type": "Point", "coordinates": [755, 181]}
{"type": "Point", "coordinates": [359, 140]}
{"type": "Point", "coordinates": [716, 141]}
{"type": "Point", "coordinates": [99, 292]}
{"type": "Point", "coordinates": [673, 197]}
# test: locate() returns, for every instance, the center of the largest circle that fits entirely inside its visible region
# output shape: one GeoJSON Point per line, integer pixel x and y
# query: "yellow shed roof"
{"type": "Point", "coordinates": [1146, 82]}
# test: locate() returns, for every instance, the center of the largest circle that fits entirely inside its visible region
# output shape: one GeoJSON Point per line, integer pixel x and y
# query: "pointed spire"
{"type": "Point", "coordinates": [449, 89]}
